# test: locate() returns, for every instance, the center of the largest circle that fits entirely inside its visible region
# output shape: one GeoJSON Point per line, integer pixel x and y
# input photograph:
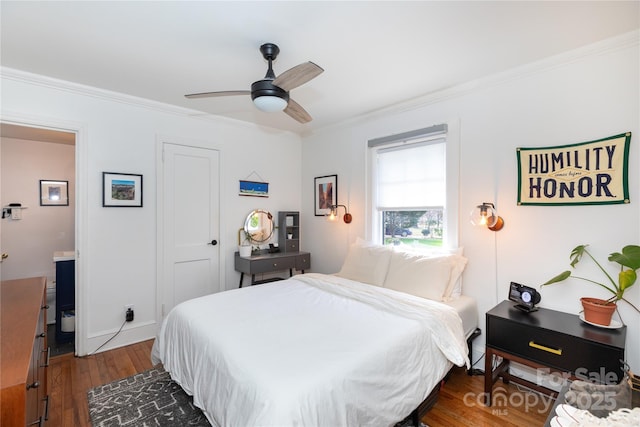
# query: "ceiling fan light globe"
{"type": "Point", "coordinates": [270, 104]}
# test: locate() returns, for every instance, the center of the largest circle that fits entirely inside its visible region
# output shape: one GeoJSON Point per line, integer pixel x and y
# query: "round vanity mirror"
{"type": "Point", "coordinates": [258, 226]}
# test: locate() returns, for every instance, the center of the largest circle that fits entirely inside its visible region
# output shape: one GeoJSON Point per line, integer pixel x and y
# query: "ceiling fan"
{"type": "Point", "coordinates": [272, 93]}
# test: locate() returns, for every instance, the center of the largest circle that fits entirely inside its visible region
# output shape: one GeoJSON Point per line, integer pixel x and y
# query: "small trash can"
{"type": "Point", "coordinates": [68, 321]}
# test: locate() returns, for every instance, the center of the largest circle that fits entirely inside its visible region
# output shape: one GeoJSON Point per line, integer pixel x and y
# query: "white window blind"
{"type": "Point", "coordinates": [411, 175]}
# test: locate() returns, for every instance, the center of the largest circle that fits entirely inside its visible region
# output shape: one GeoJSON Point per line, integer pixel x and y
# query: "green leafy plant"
{"type": "Point", "coordinates": [629, 258]}
{"type": "Point", "coordinates": [244, 237]}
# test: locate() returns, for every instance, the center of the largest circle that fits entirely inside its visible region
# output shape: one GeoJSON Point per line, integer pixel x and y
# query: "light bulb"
{"type": "Point", "coordinates": [485, 215]}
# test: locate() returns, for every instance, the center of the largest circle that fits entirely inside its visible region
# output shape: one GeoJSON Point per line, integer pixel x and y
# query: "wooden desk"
{"type": "Point", "coordinates": [265, 262]}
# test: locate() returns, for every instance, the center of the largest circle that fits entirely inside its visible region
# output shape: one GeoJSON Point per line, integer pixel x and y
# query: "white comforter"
{"type": "Point", "coordinates": [314, 350]}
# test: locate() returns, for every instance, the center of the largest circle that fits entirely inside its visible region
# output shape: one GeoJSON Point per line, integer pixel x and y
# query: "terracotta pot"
{"type": "Point", "coordinates": [598, 311]}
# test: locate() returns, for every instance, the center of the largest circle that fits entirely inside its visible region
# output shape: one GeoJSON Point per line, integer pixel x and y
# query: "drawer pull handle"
{"type": "Point", "coordinates": [557, 351]}
{"type": "Point", "coordinates": [46, 363]}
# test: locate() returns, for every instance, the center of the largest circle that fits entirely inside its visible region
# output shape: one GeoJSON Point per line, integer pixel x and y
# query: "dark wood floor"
{"type": "Point", "coordinates": [459, 404]}
{"type": "Point", "coordinates": [71, 377]}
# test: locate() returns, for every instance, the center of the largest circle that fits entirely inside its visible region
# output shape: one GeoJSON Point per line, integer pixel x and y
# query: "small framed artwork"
{"type": "Point", "coordinates": [254, 188]}
{"type": "Point", "coordinates": [325, 194]}
{"type": "Point", "coordinates": [54, 193]}
{"type": "Point", "coordinates": [121, 190]}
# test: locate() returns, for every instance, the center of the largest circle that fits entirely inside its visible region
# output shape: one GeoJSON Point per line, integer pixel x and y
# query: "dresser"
{"type": "Point", "coordinates": [265, 262]}
{"type": "Point", "coordinates": [24, 352]}
{"type": "Point", "coordinates": [553, 341]}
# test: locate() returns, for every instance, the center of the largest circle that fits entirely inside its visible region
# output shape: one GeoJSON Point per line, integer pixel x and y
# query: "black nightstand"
{"type": "Point", "coordinates": [559, 342]}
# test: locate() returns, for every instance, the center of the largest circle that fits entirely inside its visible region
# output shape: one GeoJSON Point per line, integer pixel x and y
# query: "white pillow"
{"type": "Point", "coordinates": [366, 263]}
{"type": "Point", "coordinates": [458, 262]}
{"type": "Point", "coordinates": [426, 277]}
{"type": "Point", "coordinates": [454, 289]}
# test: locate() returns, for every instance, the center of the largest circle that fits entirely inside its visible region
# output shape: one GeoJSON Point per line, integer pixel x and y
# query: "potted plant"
{"type": "Point", "coordinates": [629, 261]}
{"type": "Point", "coordinates": [244, 243]}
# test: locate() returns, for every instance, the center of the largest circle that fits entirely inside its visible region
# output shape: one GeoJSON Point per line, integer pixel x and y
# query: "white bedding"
{"type": "Point", "coordinates": [314, 350]}
{"type": "Point", "coordinates": [467, 309]}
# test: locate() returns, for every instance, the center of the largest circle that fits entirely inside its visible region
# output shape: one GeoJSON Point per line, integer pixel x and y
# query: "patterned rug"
{"type": "Point", "coordinates": [146, 399]}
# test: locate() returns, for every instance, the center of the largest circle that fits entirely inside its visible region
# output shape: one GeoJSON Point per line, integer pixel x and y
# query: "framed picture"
{"type": "Point", "coordinates": [325, 194]}
{"type": "Point", "coordinates": [254, 188]}
{"type": "Point", "coordinates": [54, 193]}
{"type": "Point", "coordinates": [121, 190]}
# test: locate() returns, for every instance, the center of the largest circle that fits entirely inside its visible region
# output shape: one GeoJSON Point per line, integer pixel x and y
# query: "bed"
{"type": "Point", "coordinates": [316, 350]}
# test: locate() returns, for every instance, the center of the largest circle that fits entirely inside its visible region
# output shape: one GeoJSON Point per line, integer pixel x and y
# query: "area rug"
{"type": "Point", "coordinates": [147, 399]}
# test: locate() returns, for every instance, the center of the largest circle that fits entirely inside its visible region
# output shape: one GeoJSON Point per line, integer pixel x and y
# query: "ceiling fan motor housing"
{"type": "Point", "coordinates": [267, 88]}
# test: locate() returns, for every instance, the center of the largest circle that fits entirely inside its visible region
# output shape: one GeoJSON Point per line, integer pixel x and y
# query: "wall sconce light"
{"type": "Point", "coordinates": [486, 215]}
{"type": "Point", "coordinates": [334, 213]}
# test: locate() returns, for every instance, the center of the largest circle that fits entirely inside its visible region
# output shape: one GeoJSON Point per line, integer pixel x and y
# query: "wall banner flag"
{"type": "Point", "coordinates": [587, 173]}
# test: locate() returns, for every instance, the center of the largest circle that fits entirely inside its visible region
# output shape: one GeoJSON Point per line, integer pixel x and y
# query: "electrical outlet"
{"type": "Point", "coordinates": [128, 312]}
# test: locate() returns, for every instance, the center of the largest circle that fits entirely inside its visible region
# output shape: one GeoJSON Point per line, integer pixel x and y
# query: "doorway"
{"type": "Point", "coordinates": [38, 173]}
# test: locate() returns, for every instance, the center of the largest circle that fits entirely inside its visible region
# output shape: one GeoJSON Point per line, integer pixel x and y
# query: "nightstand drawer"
{"type": "Point", "coordinates": [553, 349]}
{"type": "Point", "coordinates": [269, 265]}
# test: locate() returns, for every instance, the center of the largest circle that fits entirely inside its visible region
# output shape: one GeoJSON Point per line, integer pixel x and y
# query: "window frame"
{"type": "Point", "coordinates": [374, 226]}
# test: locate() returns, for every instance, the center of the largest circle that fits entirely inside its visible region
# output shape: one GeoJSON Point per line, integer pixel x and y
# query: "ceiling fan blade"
{"type": "Point", "coordinates": [297, 76]}
{"type": "Point", "coordinates": [296, 112]}
{"type": "Point", "coordinates": [215, 94]}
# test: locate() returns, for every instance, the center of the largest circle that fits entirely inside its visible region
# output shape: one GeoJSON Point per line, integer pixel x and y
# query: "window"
{"type": "Point", "coordinates": [410, 189]}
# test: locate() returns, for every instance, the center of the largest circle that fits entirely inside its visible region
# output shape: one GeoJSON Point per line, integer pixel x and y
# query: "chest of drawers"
{"type": "Point", "coordinates": [25, 354]}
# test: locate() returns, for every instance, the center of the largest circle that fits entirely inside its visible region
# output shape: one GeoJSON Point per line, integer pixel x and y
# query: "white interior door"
{"type": "Point", "coordinates": [190, 223]}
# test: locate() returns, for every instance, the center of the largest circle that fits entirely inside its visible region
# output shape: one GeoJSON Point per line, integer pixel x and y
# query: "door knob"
{"type": "Point", "coordinates": [213, 242]}
{"type": "Point", "coordinates": [4, 256]}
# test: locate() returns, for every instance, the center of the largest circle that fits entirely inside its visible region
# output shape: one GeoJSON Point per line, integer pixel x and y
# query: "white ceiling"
{"type": "Point", "coordinates": [375, 54]}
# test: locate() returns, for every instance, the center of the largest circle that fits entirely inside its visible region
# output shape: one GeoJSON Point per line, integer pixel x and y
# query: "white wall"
{"type": "Point", "coordinates": [31, 241]}
{"type": "Point", "coordinates": [581, 96]}
{"type": "Point", "coordinates": [117, 133]}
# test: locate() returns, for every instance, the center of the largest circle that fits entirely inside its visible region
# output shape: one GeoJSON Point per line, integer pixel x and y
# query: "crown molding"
{"type": "Point", "coordinates": [122, 98]}
{"type": "Point", "coordinates": [91, 91]}
{"type": "Point", "coordinates": [613, 44]}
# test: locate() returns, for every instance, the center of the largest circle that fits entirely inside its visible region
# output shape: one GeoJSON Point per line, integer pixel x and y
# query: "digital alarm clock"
{"type": "Point", "coordinates": [525, 297]}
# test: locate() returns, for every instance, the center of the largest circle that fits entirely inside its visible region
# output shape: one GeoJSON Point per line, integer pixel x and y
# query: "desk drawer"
{"type": "Point", "coordinates": [303, 262]}
{"type": "Point", "coordinates": [555, 349]}
{"type": "Point", "coordinates": [269, 265]}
